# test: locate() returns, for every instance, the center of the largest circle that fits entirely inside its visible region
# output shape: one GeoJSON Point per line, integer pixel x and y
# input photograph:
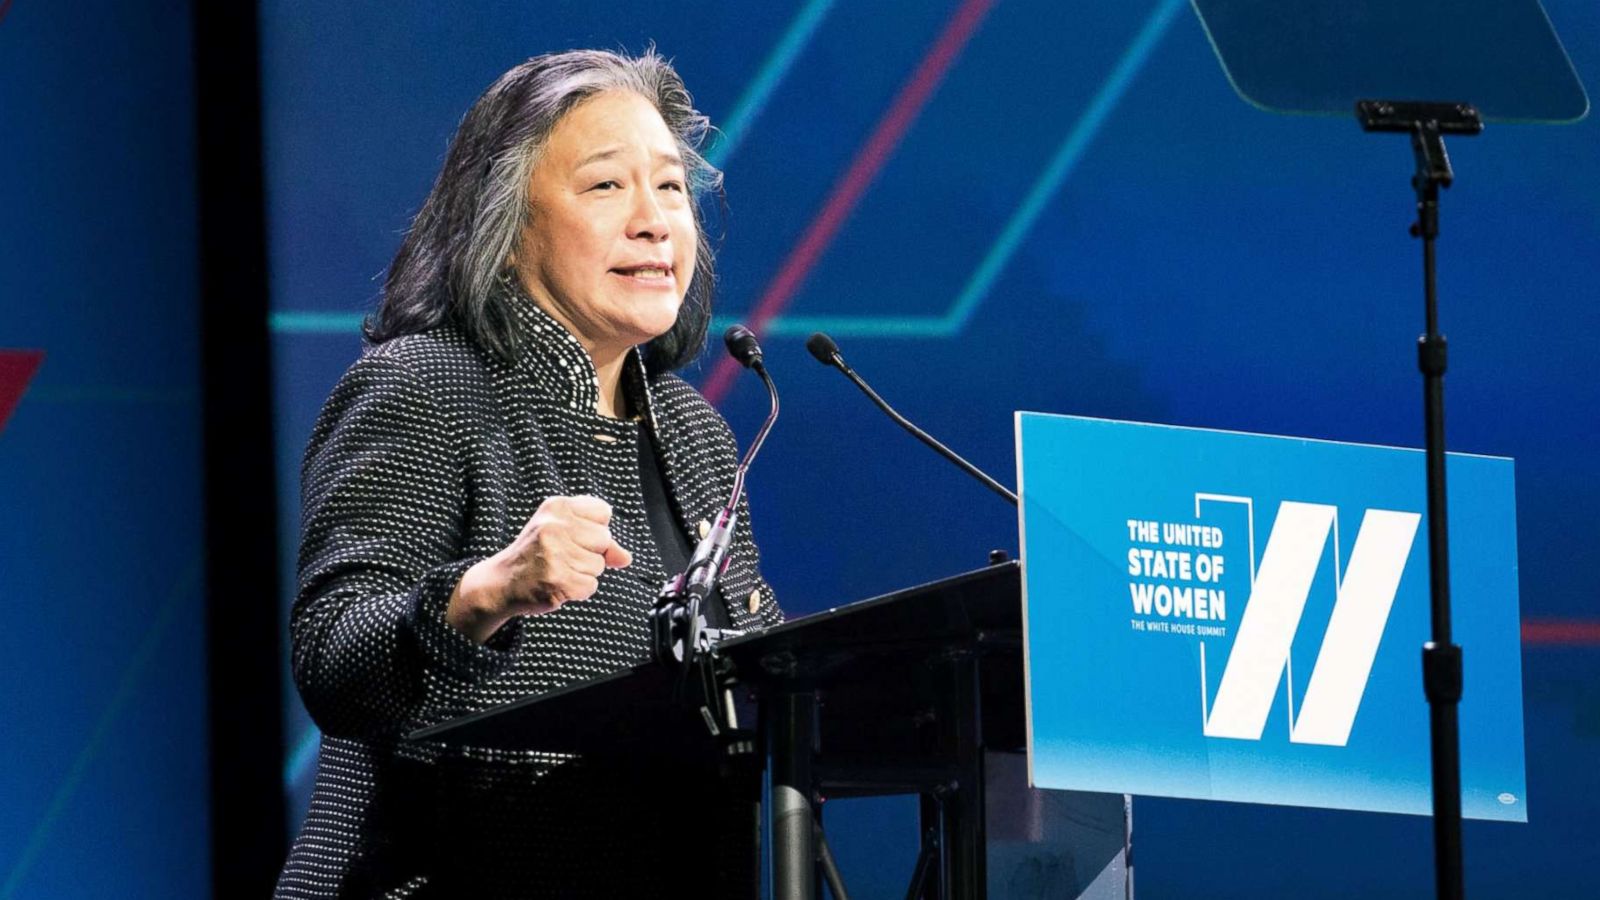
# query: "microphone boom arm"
{"type": "Point", "coordinates": [837, 361]}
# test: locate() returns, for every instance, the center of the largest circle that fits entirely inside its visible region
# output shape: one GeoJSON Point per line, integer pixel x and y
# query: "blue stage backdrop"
{"type": "Point", "coordinates": [1022, 204]}
{"type": "Point", "coordinates": [103, 786]}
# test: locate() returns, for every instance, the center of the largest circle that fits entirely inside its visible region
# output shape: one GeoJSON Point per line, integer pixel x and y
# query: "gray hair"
{"type": "Point", "coordinates": [456, 254]}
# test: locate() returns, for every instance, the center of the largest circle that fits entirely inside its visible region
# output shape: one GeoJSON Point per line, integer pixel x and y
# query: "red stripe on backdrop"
{"type": "Point", "coordinates": [869, 160]}
{"type": "Point", "coordinates": [1561, 632]}
{"type": "Point", "coordinates": [16, 370]}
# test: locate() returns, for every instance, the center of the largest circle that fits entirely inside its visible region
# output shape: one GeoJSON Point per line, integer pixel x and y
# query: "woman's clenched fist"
{"type": "Point", "coordinates": [558, 557]}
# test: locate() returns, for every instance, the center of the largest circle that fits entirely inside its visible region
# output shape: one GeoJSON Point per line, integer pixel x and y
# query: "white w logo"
{"type": "Point", "coordinates": [1278, 598]}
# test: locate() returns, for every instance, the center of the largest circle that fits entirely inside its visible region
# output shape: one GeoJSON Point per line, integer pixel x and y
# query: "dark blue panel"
{"type": "Point", "coordinates": [103, 655]}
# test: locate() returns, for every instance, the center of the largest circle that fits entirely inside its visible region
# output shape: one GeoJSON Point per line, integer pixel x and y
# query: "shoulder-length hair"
{"type": "Point", "coordinates": [459, 246]}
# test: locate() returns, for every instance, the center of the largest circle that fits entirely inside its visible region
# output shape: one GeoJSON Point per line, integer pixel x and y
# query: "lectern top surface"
{"type": "Point", "coordinates": [619, 710]}
{"type": "Point", "coordinates": [964, 605]}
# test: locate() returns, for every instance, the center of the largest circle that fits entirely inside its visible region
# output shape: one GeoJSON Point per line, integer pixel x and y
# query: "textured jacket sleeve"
{"type": "Point", "coordinates": [381, 532]}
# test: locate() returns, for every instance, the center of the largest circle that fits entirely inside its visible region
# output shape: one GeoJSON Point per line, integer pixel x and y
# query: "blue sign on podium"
{"type": "Point", "coordinates": [1228, 616]}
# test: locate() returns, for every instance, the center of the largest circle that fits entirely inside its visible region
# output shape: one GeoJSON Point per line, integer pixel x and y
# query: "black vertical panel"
{"type": "Point", "coordinates": [247, 746]}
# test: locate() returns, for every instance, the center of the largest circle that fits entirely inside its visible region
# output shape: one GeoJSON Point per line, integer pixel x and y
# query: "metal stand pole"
{"type": "Point", "coordinates": [1427, 123]}
{"type": "Point", "coordinates": [791, 735]}
{"type": "Point", "coordinates": [1441, 659]}
{"type": "Point", "coordinates": [830, 869]}
{"type": "Point", "coordinates": [963, 811]}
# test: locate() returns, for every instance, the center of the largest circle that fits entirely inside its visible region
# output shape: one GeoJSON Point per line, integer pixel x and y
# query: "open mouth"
{"type": "Point", "coordinates": [646, 273]}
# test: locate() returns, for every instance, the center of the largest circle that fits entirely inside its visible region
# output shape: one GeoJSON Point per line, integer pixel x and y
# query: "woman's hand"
{"type": "Point", "coordinates": [558, 557]}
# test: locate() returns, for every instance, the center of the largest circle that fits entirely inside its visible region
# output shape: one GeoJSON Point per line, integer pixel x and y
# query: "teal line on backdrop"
{"type": "Point", "coordinates": [772, 72]}
{"type": "Point", "coordinates": [188, 583]}
{"type": "Point", "coordinates": [1065, 160]}
{"type": "Point", "coordinates": [994, 261]}
{"type": "Point", "coordinates": [111, 394]}
{"type": "Point", "coordinates": [293, 322]}
{"type": "Point", "coordinates": [1022, 220]}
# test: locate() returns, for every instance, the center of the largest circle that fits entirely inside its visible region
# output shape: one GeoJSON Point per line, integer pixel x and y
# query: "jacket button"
{"type": "Point", "coordinates": [755, 601]}
{"type": "Point", "coordinates": [704, 527]}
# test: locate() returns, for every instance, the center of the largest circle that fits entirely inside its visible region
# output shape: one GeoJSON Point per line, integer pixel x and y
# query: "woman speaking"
{"type": "Point", "coordinates": [495, 491]}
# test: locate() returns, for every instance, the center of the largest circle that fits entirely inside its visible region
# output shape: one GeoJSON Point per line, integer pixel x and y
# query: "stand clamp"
{"type": "Point", "coordinates": [1441, 673]}
{"type": "Point", "coordinates": [1432, 351]}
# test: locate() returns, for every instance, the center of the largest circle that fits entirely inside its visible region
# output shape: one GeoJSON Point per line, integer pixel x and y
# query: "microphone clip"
{"type": "Point", "coordinates": [678, 623]}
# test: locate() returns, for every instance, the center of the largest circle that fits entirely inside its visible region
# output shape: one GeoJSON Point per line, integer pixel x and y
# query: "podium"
{"type": "Point", "coordinates": [903, 693]}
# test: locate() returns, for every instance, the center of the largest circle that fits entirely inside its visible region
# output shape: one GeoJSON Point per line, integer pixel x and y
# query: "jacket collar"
{"type": "Point", "coordinates": [561, 365]}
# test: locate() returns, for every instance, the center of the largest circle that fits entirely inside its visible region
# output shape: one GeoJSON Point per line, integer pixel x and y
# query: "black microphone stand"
{"type": "Point", "coordinates": [678, 624]}
{"type": "Point", "coordinates": [1427, 124]}
{"type": "Point", "coordinates": [681, 636]}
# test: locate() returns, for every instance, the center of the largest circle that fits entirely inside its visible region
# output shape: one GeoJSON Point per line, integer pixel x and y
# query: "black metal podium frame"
{"type": "Point", "coordinates": [898, 694]}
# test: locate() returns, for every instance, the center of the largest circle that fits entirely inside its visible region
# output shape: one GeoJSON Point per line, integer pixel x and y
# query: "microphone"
{"type": "Point", "coordinates": [682, 596]}
{"type": "Point", "coordinates": [827, 352]}
{"type": "Point", "coordinates": [742, 346]}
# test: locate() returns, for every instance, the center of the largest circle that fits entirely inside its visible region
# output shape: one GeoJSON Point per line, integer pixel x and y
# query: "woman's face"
{"type": "Point", "coordinates": [610, 248]}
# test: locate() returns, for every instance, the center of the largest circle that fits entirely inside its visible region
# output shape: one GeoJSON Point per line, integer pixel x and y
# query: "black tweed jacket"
{"type": "Point", "coordinates": [430, 455]}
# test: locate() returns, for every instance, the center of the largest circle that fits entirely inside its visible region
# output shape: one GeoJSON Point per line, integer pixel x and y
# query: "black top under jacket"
{"type": "Point", "coordinates": [671, 542]}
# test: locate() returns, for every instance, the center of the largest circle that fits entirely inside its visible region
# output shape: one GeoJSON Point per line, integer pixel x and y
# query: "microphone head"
{"type": "Point", "coordinates": [824, 349]}
{"type": "Point", "coordinates": [742, 346]}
